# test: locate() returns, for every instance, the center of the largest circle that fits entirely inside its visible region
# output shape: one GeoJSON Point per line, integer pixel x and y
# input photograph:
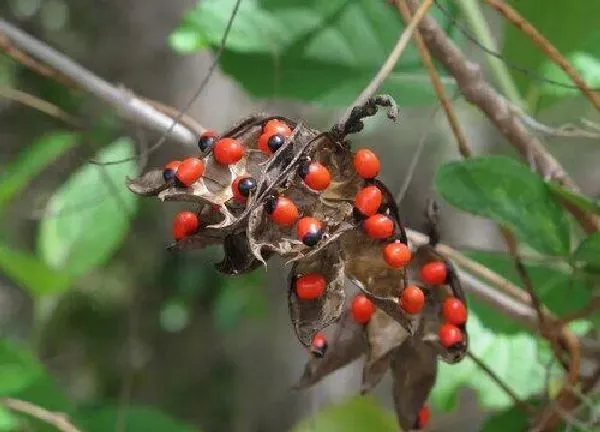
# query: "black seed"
{"type": "Point", "coordinates": [304, 168]}
{"type": "Point", "coordinates": [205, 143]}
{"type": "Point", "coordinates": [275, 142]}
{"type": "Point", "coordinates": [169, 175]}
{"type": "Point", "coordinates": [270, 203]}
{"type": "Point", "coordinates": [319, 351]}
{"type": "Point", "coordinates": [246, 185]}
{"type": "Point", "coordinates": [312, 238]}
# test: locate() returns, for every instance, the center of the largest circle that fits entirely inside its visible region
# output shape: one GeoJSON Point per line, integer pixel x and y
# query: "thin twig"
{"type": "Point", "coordinates": [436, 81]}
{"type": "Point", "coordinates": [390, 62]}
{"type": "Point", "coordinates": [124, 101]}
{"type": "Point", "coordinates": [547, 48]}
{"type": "Point", "coordinates": [38, 104]}
{"type": "Point", "coordinates": [516, 399]}
{"type": "Point", "coordinates": [57, 419]}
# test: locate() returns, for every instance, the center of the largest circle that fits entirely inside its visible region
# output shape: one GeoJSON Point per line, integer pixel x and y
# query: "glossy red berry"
{"type": "Point", "coordinates": [189, 171]}
{"type": "Point", "coordinates": [309, 230]}
{"type": "Point", "coordinates": [454, 311]}
{"type": "Point", "coordinates": [368, 200]}
{"type": "Point", "coordinates": [207, 141]}
{"type": "Point", "coordinates": [378, 226]}
{"type": "Point", "coordinates": [283, 211]}
{"type": "Point", "coordinates": [449, 335]}
{"type": "Point", "coordinates": [366, 164]}
{"type": "Point", "coordinates": [412, 299]}
{"type": "Point", "coordinates": [170, 170]}
{"type": "Point", "coordinates": [362, 309]}
{"type": "Point", "coordinates": [423, 417]}
{"type": "Point", "coordinates": [228, 151]}
{"type": "Point", "coordinates": [276, 127]}
{"type": "Point", "coordinates": [315, 175]}
{"type": "Point", "coordinates": [397, 254]}
{"type": "Point", "coordinates": [310, 286]}
{"type": "Point", "coordinates": [184, 224]}
{"type": "Point", "coordinates": [318, 346]}
{"type": "Point", "coordinates": [242, 186]}
{"type": "Point", "coordinates": [434, 273]}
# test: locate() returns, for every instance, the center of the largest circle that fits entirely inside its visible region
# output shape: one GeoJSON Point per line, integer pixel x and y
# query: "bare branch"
{"type": "Point", "coordinates": [125, 102]}
{"type": "Point", "coordinates": [38, 104]}
{"type": "Point", "coordinates": [59, 420]}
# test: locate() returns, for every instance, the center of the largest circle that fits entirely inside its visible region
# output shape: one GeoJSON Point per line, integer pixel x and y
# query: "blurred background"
{"type": "Point", "coordinates": [137, 326]}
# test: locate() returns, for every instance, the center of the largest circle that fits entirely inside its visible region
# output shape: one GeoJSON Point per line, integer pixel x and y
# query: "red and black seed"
{"type": "Point", "coordinates": [275, 142]}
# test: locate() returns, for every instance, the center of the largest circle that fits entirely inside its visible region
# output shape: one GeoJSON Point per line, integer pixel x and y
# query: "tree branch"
{"type": "Point", "coordinates": [59, 420]}
{"type": "Point", "coordinates": [128, 106]}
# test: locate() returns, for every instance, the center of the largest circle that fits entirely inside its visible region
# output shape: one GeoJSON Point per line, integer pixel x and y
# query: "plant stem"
{"type": "Point", "coordinates": [476, 21]}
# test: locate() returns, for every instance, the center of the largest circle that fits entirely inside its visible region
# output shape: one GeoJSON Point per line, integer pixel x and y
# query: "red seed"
{"type": "Point", "coordinates": [366, 164]}
{"type": "Point", "coordinates": [412, 299]}
{"type": "Point", "coordinates": [309, 230]}
{"type": "Point", "coordinates": [284, 211]}
{"type": "Point", "coordinates": [276, 127]}
{"type": "Point", "coordinates": [368, 200]}
{"type": "Point", "coordinates": [423, 417]}
{"type": "Point", "coordinates": [449, 335]}
{"type": "Point", "coordinates": [378, 226]}
{"type": "Point", "coordinates": [310, 286]}
{"type": "Point", "coordinates": [454, 311]}
{"type": "Point", "coordinates": [362, 309]}
{"type": "Point", "coordinates": [189, 171]}
{"type": "Point", "coordinates": [397, 254]}
{"type": "Point", "coordinates": [318, 346]}
{"type": "Point", "coordinates": [317, 176]}
{"type": "Point", "coordinates": [434, 273]}
{"type": "Point", "coordinates": [228, 151]}
{"type": "Point", "coordinates": [184, 224]}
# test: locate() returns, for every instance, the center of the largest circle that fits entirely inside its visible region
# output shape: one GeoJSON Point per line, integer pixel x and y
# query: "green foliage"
{"type": "Point", "coordinates": [356, 414]}
{"type": "Point", "coordinates": [588, 252]}
{"type": "Point", "coordinates": [570, 26]}
{"type": "Point", "coordinates": [323, 52]}
{"type": "Point", "coordinates": [557, 286]}
{"type": "Point", "coordinates": [511, 357]}
{"type": "Point", "coordinates": [512, 419]}
{"type": "Point", "coordinates": [580, 201]}
{"type": "Point", "coordinates": [8, 420]}
{"type": "Point", "coordinates": [18, 368]}
{"type": "Point", "coordinates": [131, 419]}
{"type": "Point", "coordinates": [76, 240]}
{"type": "Point", "coordinates": [588, 67]}
{"type": "Point", "coordinates": [506, 191]}
{"type": "Point", "coordinates": [32, 161]}
{"type": "Point", "coordinates": [32, 274]}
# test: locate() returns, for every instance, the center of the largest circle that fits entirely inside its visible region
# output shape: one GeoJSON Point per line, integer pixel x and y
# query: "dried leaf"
{"type": "Point", "coordinates": [348, 344]}
{"type": "Point", "coordinates": [414, 369]}
{"type": "Point", "coordinates": [148, 184]}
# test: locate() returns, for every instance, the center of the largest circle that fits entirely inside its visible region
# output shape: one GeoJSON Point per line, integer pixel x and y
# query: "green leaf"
{"type": "Point", "coordinates": [559, 289]}
{"type": "Point", "coordinates": [512, 419]}
{"type": "Point", "coordinates": [88, 217]}
{"type": "Point", "coordinates": [513, 358]}
{"type": "Point", "coordinates": [32, 274]}
{"type": "Point", "coordinates": [580, 201]}
{"type": "Point", "coordinates": [309, 50]}
{"type": "Point", "coordinates": [588, 252]}
{"type": "Point", "coordinates": [32, 161]}
{"type": "Point", "coordinates": [570, 26]}
{"type": "Point", "coordinates": [356, 414]}
{"type": "Point", "coordinates": [240, 297]}
{"type": "Point", "coordinates": [18, 368]}
{"type": "Point", "coordinates": [9, 422]}
{"type": "Point", "coordinates": [588, 67]}
{"type": "Point", "coordinates": [134, 419]}
{"type": "Point", "coordinates": [506, 191]}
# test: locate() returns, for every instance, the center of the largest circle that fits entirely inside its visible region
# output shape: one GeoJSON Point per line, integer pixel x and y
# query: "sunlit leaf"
{"type": "Point", "coordinates": [356, 414]}
{"type": "Point", "coordinates": [588, 252]}
{"type": "Point", "coordinates": [506, 191]}
{"type": "Point", "coordinates": [17, 175]}
{"type": "Point", "coordinates": [27, 270]}
{"type": "Point", "coordinates": [319, 51]}
{"type": "Point", "coordinates": [513, 358]}
{"type": "Point", "coordinates": [88, 217]}
{"type": "Point", "coordinates": [18, 368]}
{"type": "Point", "coordinates": [587, 65]}
{"type": "Point", "coordinates": [580, 201]}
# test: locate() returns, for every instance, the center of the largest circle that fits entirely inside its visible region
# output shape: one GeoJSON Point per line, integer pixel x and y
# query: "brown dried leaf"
{"type": "Point", "coordinates": [148, 184]}
{"type": "Point", "coordinates": [348, 344]}
{"type": "Point", "coordinates": [414, 369]}
{"type": "Point", "coordinates": [310, 316]}
{"type": "Point", "coordinates": [384, 336]}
